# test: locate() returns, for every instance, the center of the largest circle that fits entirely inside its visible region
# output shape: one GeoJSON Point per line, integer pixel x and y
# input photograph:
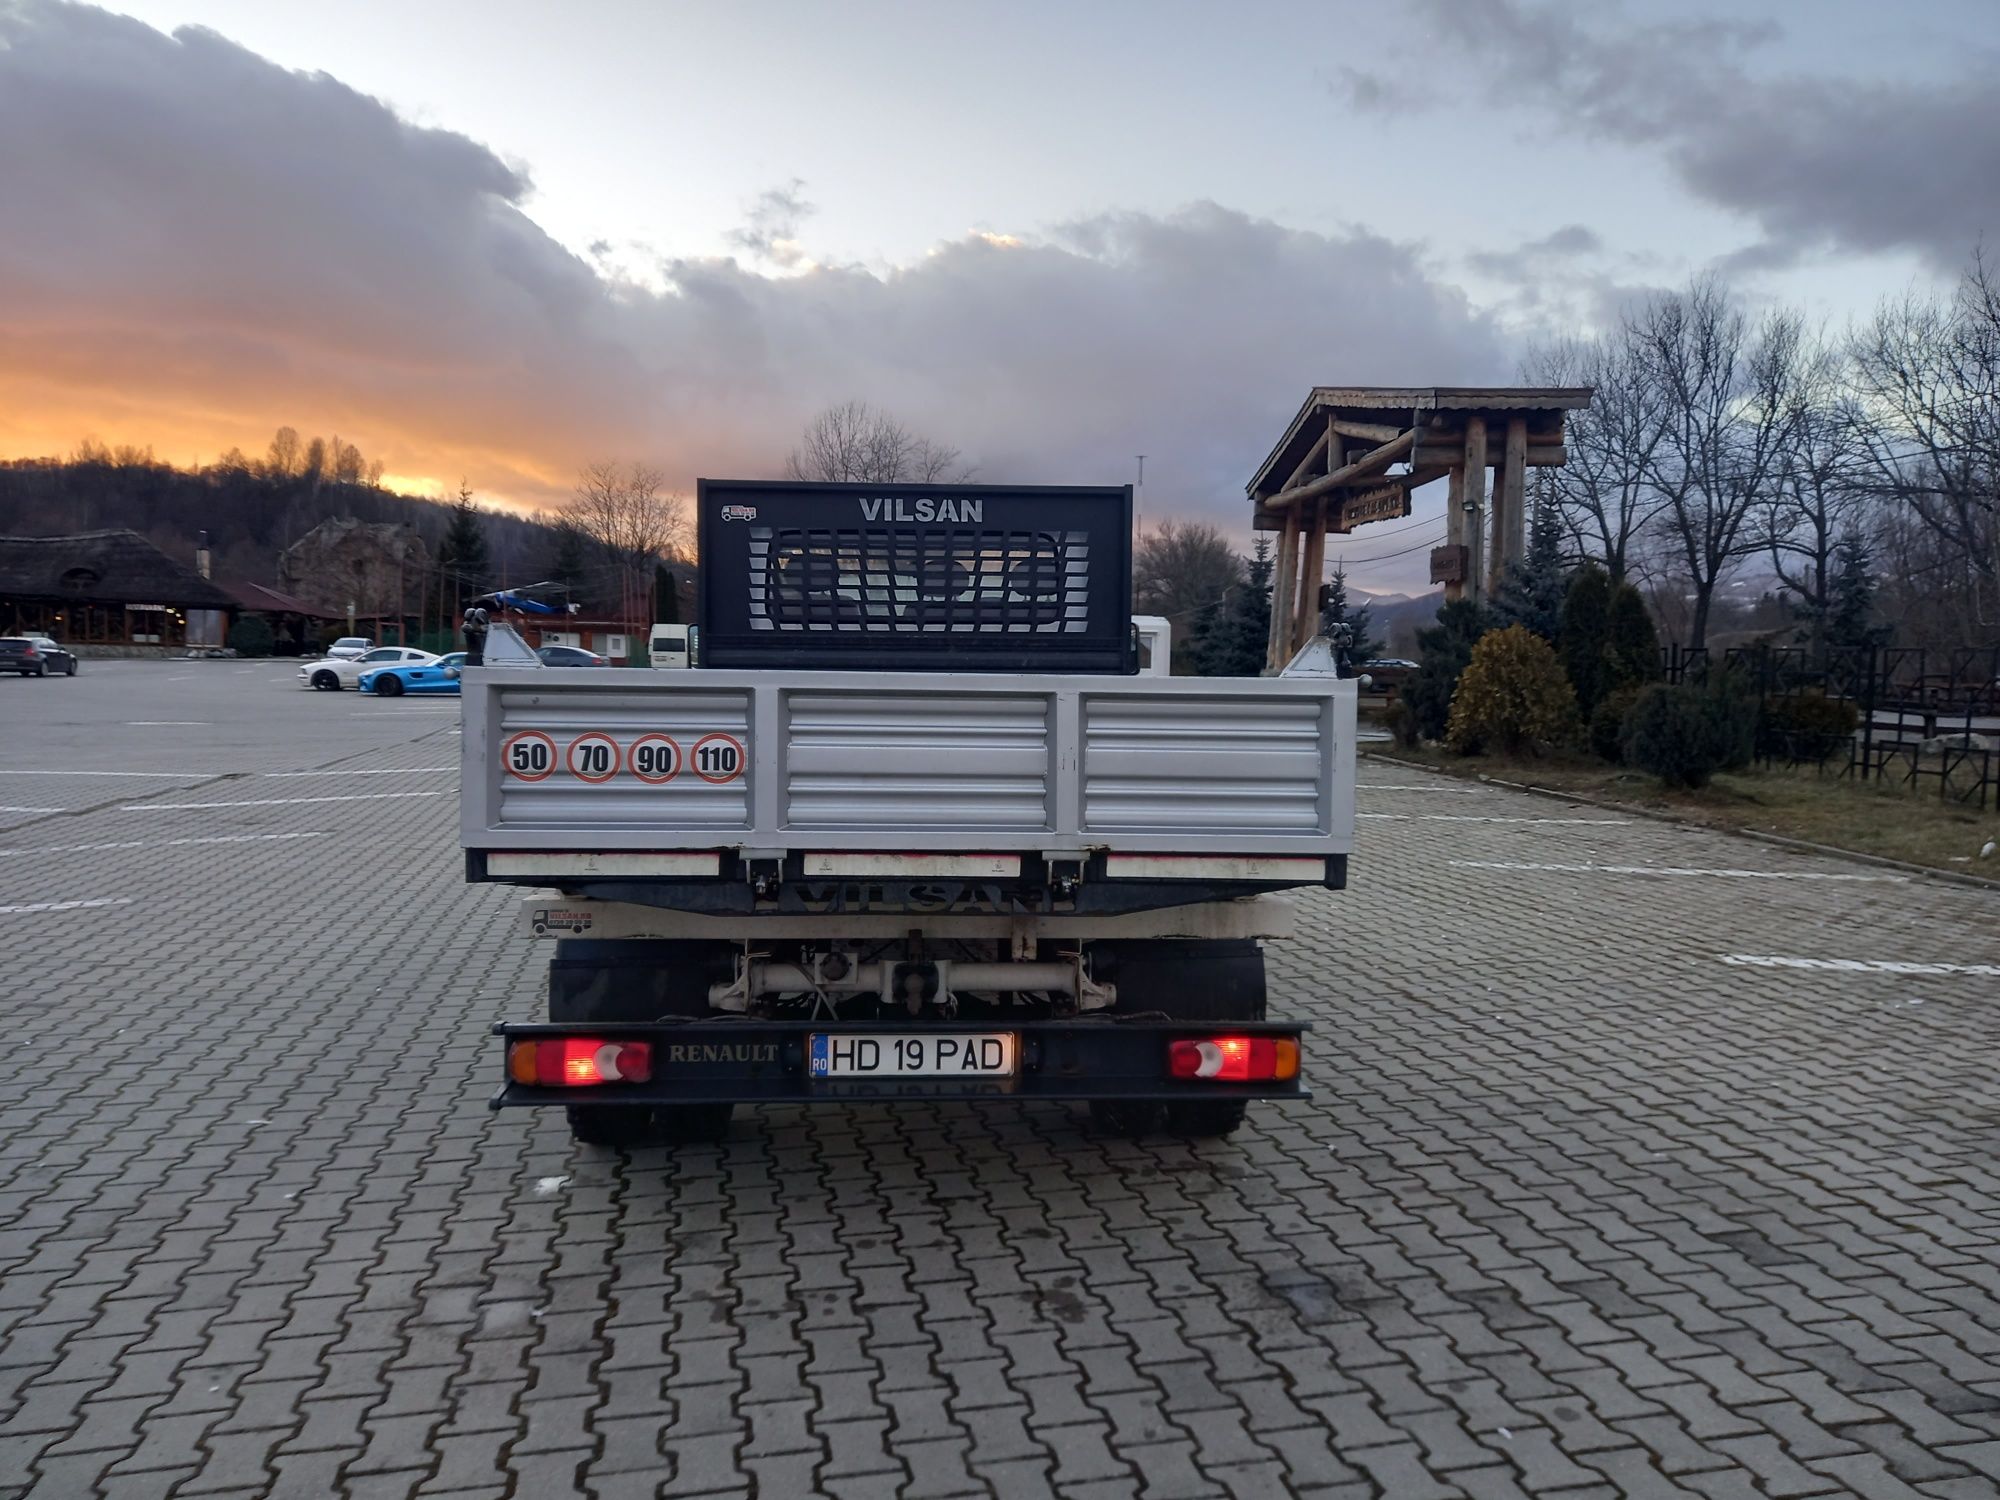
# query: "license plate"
{"type": "Point", "coordinates": [983, 1054]}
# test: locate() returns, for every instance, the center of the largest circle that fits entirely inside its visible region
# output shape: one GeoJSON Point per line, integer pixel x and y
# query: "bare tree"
{"type": "Point", "coordinates": [1733, 398]}
{"type": "Point", "coordinates": [1817, 498]}
{"type": "Point", "coordinates": [854, 443]}
{"type": "Point", "coordinates": [1927, 373]}
{"type": "Point", "coordinates": [1603, 491]}
{"type": "Point", "coordinates": [626, 510]}
{"type": "Point", "coordinates": [1180, 566]}
{"type": "Point", "coordinates": [282, 461]}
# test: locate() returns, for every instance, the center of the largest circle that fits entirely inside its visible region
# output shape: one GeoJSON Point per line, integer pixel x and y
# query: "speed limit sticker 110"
{"type": "Point", "coordinates": [529, 756]}
{"type": "Point", "coordinates": [717, 757]}
{"type": "Point", "coordinates": [593, 757]}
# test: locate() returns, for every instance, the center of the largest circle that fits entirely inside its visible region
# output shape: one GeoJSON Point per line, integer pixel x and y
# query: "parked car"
{"type": "Point", "coordinates": [35, 656]}
{"type": "Point", "coordinates": [571, 656]}
{"type": "Point", "coordinates": [350, 648]}
{"type": "Point", "coordinates": [439, 676]}
{"type": "Point", "coordinates": [337, 672]}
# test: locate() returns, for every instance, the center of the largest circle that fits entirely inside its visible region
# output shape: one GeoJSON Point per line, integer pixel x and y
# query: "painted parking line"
{"type": "Point", "coordinates": [1603, 869]}
{"type": "Point", "coordinates": [1413, 787]}
{"type": "Point", "coordinates": [1488, 818]}
{"type": "Point", "coordinates": [143, 775]}
{"type": "Point", "coordinates": [221, 838]}
{"type": "Point", "coordinates": [28, 906]}
{"type": "Point", "coordinates": [272, 801]}
{"type": "Point", "coordinates": [389, 771]}
{"type": "Point", "coordinates": [1853, 965]}
{"type": "Point", "coordinates": [31, 809]}
{"type": "Point", "coordinates": [167, 723]}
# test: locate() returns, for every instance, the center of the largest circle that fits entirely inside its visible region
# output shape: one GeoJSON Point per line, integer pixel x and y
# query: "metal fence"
{"type": "Point", "coordinates": [1921, 717]}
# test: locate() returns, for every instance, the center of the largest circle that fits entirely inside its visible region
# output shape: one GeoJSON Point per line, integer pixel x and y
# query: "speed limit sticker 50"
{"type": "Point", "coordinates": [594, 757]}
{"type": "Point", "coordinates": [717, 757]}
{"type": "Point", "coordinates": [528, 756]}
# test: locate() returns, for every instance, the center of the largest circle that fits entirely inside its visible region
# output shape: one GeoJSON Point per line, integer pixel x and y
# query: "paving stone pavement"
{"type": "Point", "coordinates": [1580, 1207]}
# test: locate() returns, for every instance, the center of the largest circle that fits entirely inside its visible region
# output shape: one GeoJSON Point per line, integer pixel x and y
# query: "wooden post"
{"type": "Point", "coordinates": [1308, 610]}
{"type": "Point", "coordinates": [1275, 655]}
{"type": "Point", "coordinates": [1499, 507]}
{"type": "Point", "coordinates": [1454, 524]}
{"type": "Point", "coordinates": [1475, 498]}
{"type": "Point", "coordinates": [1516, 471]}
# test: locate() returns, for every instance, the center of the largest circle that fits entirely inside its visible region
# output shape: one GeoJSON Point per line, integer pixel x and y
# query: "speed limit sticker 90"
{"type": "Point", "coordinates": [717, 757]}
{"type": "Point", "coordinates": [529, 756]}
{"type": "Point", "coordinates": [654, 758]}
{"type": "Point", "coordinates": [593, 757]}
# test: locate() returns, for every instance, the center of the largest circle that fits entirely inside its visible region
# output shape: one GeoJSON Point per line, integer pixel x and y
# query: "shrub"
{"type": "Point", "coordinates": [1512, 695]}
{"type": "Point", "coordinates": [251, 636]}
{"type": "Point", "coordinates": [1607, 724]}
{"type": "Point", "coordinates": [1685, 733]}
{"type": "Point", "coordinates": [1586, 613]}
{"type": "Point", "coordinates": [1810, 726]}
{"type": "Point", "coordinates": [1443, 650]}
{"type": "Point", "coordinates": [1402, 722]}
{"type": "Point", "coordinates": [1631, 646]}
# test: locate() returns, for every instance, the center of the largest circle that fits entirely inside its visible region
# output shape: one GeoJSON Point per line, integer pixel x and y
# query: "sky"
{"type": "Point", "coordinates": [497, 240]}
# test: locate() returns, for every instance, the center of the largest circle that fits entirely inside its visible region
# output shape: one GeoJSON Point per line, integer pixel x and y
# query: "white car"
{"type": "Point", "coordinates": [338, 672]}
{"type": "Point", "coordinates": [350, 647]}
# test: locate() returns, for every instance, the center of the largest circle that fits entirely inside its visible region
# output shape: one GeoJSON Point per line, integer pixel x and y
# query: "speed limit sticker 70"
{"type": "Point", "coordinates": [593, 757]}
{"type": "Point", "coordinates": [717, 757]}
{"type": "Point", "coordinates": [529, 756]}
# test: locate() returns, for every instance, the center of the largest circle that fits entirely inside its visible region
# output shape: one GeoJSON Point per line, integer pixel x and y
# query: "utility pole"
{"type": "Point", "coordinates": [1139, 500]}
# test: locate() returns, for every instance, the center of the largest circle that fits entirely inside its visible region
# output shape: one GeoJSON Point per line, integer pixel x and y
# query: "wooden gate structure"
{"type": "Point", "coordinates": [1354, 454]}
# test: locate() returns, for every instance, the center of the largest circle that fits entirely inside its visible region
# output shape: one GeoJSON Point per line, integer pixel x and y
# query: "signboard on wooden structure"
{"type": "Point", "coordinates": [1390, 503]}
{"type": "Point", "coordinates": [1450, 564]}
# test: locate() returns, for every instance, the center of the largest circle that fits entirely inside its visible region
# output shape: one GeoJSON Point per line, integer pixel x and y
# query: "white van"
{"type": "Point", "coordinates": [671, 646]}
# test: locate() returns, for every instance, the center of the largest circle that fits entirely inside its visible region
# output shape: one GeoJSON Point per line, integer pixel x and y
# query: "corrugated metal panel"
{"type": "Point", "coordinates": [929, 761]}
{"type": "Point", "coordinates": [1245, 765]}
{"type": "Point", "coordinates": [686, 801]}
{"type": "Point", "coordinates": [913, 763]}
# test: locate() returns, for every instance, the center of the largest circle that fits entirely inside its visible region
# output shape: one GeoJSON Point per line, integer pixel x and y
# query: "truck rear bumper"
{"type": "Point", "coordinates": [765, 1062]}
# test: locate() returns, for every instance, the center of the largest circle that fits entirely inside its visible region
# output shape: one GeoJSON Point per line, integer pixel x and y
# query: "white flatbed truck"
{"type": "Point", "coordinates": [915, 828]}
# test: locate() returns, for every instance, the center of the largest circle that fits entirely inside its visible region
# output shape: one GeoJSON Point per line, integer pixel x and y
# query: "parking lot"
{"type": "Point", "coordinates": [1641, 1161]}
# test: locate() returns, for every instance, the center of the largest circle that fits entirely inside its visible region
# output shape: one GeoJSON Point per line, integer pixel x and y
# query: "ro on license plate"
{"type": "Point", "coordinates": [986, 1054]}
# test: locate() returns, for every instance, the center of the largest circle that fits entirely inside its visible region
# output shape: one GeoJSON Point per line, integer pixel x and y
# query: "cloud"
{"type": "Point", "coordinates": [1815, 161]}
{"type": "Point", "coordinates": [770, 230]}
{"type": "Point", "coordinates": [200, 245]}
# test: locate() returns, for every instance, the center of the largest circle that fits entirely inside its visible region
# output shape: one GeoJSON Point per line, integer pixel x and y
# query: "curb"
{"type": "Point", "coordinates": [1855, 856]}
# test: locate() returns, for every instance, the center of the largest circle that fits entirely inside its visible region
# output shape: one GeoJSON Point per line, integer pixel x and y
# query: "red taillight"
{"type": "Point", "coordinates": [31, 652]}
{"type": "Point", "coordinates": [1234, 1059]}
{"type": "Point", "coordinates": [579, 1062]}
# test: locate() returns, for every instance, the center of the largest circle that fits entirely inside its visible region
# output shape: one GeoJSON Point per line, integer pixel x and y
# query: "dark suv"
{"type": "Point", "coordinates": [35, 656]}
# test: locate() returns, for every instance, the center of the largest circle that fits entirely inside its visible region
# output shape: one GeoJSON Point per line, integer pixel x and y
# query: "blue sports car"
{"type": "Point", "coordinates": [440, 676]}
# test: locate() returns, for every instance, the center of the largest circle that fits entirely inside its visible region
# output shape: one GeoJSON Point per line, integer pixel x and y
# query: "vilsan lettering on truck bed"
{"type": "Point", "coordinates": [931, 699]}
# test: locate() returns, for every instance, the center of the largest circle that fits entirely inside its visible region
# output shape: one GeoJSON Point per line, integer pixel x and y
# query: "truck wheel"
{"type": "Point", "coordinates": [1130, 1118]}
{"type": "Point", "coordinates": [1201, 980]}
{"type": "Point", "coordinates": [610, 979]}
{"type": "Point", "coordinates": [1206, 1119]}
{"type": "Point", "coordinates": [622, 1129]}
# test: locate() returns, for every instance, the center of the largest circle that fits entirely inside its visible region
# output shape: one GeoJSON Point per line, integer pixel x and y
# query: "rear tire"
{"type": "Point", "coordinates": [619, 1129]}
{"type": "Point", "coordinates": [1127, 1118]}
{"type": "Point", "coordinates": [599, 979]}
{"type": "Point", "coordinates": [1203, 980]}
{"type": "Point", "coordinates": [1206, 1119]}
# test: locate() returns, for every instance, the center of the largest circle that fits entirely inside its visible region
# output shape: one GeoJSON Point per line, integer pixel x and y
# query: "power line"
{"type": "Point", "coordinates": [1435, 541]}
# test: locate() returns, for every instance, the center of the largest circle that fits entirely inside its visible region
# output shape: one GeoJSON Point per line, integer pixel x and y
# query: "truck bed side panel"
{"type": "Point", "coordinates": [780, 761]}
